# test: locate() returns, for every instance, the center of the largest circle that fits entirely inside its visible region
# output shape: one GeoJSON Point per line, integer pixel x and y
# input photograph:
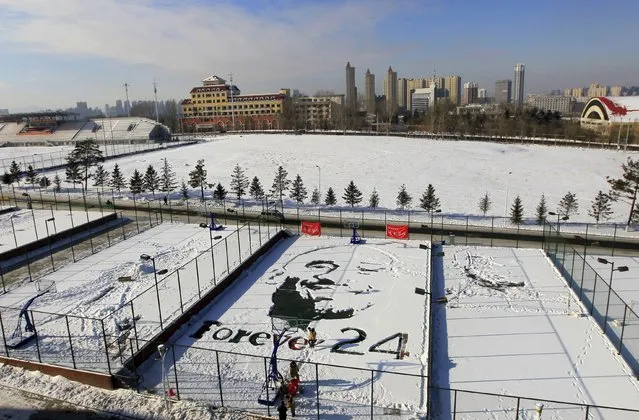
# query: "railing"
{"type": "Point", "coordinates": [616, 318]}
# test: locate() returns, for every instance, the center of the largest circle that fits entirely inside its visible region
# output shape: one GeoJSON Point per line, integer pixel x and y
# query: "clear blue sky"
{"type": "Point", "coordinates": [59, 52]}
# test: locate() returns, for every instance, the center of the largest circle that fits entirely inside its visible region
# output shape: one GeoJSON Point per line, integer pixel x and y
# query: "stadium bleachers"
{"type": "Point", "coordinates": [113, 130]}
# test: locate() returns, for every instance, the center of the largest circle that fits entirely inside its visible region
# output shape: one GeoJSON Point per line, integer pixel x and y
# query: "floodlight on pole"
{"type": "Point", "coordinates": [620, 269]}
{"type": "Point", "coordinates": [46, 225]}
{"type": "Point", "coordinates": [552, 213]}
{"type": "Point", "coordinates": [162, 351]}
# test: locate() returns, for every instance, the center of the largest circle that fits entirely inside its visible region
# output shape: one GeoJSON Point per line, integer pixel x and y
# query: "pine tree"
{"type": "Point", "coordinates": [429, 200]}
{"type": "Point", "coordinates": [167, 180]}
{"type": "Point", "coordinates": [517, 212]}
{"type": "Point", "coordinates": [403, 198]}
{"type": "Point", "coordinates": [315, 197]}
{"type": "Point", "coordinates": [117, 180]}
{"type": "Point", "coordinates": [44, 182]}
{"type": "Point", "coordinates": [220, 192]}
{"type": "Point", "coordinates": [352, 195]}
{"type": "Point", "coordinates": [136, 184]}
{"type": "Point", "coordinates": [627, 186]}
{"type": "Point", "coordinates": [541, 210]}
{"type": "Point", "coordinates": [330, 199]}
{"type": "Point", "coordinates": [600, 209]}
{"type": "Point", "coordinates": [15, 171]}
{"type": "Point", "coordinates": [86, 154]}
{"type": "Point", "coordinates": [151, 180]}
{"type": "Point", "coordinates": [57, 183]}
{"type": "Point", "coordinates": [256, 191]}
{"type": "Point", "coordinates": [484, 204]}
{"type": "Point", "coordinates": [197, 177]}
{"type": "Point", "coordinates": [31, 176]}
{"type": "Point", "coordinates": [280, 183]}
{"type": "Point", "coordinates": [239, 181]}
{"type": "Point", "coordinates": [184, 190]}
{"type": "Point", "coordinates": [373, 201]}
{"type": "Point", "coordinates": [568, 205]}
{"type": "Point", "coordinates": [72, 172]}
{"type": "Point", "coordinates": [6, 178]}
{"type": "Point", "coordinates": [298, 191]}
{"type": "Point", "coordinates": [100, 177]}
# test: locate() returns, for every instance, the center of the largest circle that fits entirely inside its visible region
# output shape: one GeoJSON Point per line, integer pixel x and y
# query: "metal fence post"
{"type": "Point", "coordinates": [188, 212]}
{"type": "Point", "coordinates": [219, 377]}
{"type": "Point", "coordinates": [317, 390]}
{"type": "Point", "coordinates": [268, 398]}
{"type": "Point", "coordinates": [197, 275]}
{"type": "Point", "coordinates": [226, 246]}
{"type": "Point", "coordinates": [239, 246]}
{"type": "Point", "coordinates": [66, 318]}
{"type": "Point", "coordinates": [340, 224]}
{"type": "Point", "coordinates": [587, 412]}
{"type": "Point", "coordinates": [492, 230]}
{"type": "Point", "coordinates": [372, 380]}
{"type": "Point", "coordinates": [180, 289]}
{"type": "Point", "coordinates": [4, 337]}
{"type": "Point", "coordinates": [517, 409]}
{"type": "Point", "coordinates": [135, 327]}
{"type": "Point", "coordinates": [594, 290]}
{"type": "Point", "coordinates": [106, 346]}
{"type": "Point", "coordinates": [135, 208]}
{"type": "Point", "coordinates": [454, 404]}
{"type": "Point", "coordinates": [249, 235]}
{"type": "Point", "coordinates": [614, 241]}
{"type": "Point", "coordinates": [623, 328]}
{"type": "Point", "coordinates": [177, 385]}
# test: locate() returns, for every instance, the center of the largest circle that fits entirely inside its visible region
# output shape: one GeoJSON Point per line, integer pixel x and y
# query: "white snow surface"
{"type": "Point", "coordinates": [376, 280]}
{"type": "Point", "coordinates": [525, 340]}
{"type": "Point", "coordinates": [71, 394]}
{"type": "Point", "coordinates": [30, 226]}
{"type": "Point", "coordinates": [461, 171]}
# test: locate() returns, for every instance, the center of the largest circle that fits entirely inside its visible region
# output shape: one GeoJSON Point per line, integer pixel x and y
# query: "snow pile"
{"type": "Point", "coordinates": [119, 402]}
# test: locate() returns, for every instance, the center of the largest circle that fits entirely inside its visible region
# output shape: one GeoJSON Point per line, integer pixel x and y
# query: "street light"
{"type": "Point", "coordinates": [552, 213]}
{"type": "Point", "coordinates": [147, 257]}
{"type": "Point", "coordinates": [506, 202]}
{"type": "Point", "coordinates": [620, 269]}
{"type": "Point", "coordinates": [30, 206]}
{"type": "Point", "coordinates": [46, 224]}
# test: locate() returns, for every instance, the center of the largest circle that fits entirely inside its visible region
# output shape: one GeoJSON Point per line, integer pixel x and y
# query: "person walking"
{"type": "Point", "coordinates": [312, 337]}
{"type": "Point", "coordinates": [282, 411]}
{"type": "Point", "coordinates": [295, 373]}
{"type": "Point", "coordinates": [290, 403]}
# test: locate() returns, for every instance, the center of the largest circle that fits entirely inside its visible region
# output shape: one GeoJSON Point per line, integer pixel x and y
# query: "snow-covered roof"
{"type": "Point", "coordinates": [214, 80]}
{"type": "Point", "coordinates": [615, 109]}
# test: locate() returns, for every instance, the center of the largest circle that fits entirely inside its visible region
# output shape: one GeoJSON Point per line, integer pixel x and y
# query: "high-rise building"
{"type": "Point", "coordinates": [390, 91]}
{"type": "Point", "coordinates": [402, 94]}
{"type": "Point", "coordinates": [503, 91]}
{"type": "Point", "coordinates": [470, 93]}
{"type": "Point", "coordinates": [369, 92]}
{"type": "Point", "coordinates": [574, 92]}
{"type": "Point", "coordinates": [518, 94]}
{"type": "Point", "coordinates": [615, 90]}
{"type": "Point", "coordinates": [351, 91]}
{"type": "Point", "coordinates": [453, 89]}
{"type": "Point", "coordinates": [596, 89]}
{"type": "Point", "coordinates": [482, 95]}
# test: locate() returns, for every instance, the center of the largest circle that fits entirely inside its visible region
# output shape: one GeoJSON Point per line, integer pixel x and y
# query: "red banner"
{"type": "Point", "coordinates": [397, 231]}
{"type": "Point", "coordinates": [312, 228]}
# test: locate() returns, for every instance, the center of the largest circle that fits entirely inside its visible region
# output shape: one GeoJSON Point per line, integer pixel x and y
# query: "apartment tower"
{"type": "Point", "coordinates": [518, 94]}
{"type": "Point", "coordinates": [390, 91]}
{"type": "Point", "coordinates": [351, 90]}
{"type": "Point", "coordinates": [369, 92]}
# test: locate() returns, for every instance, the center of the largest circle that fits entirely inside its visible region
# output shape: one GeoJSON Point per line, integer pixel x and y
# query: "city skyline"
{"type": "Point", "coordinates": [55, 56]}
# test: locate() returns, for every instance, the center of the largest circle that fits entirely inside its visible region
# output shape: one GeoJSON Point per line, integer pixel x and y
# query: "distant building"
{"type": "Point", "coordinates": [318, 111]}
{"type": "Point", "coordinates": [369, 92]}
{"type": "Point", "coordinates": [422, 99]}
{"type": "Point", "coordinates": [574, 92]}
{"type": "Point", "coordinates": [596, 89]}
{"type": "Point", "coordinates": [616, 90]}
{"type": "Point", "coordinates": [390, 91]}
{"type": "Point", "coordinates": [440, 84]}
{"type": "Point", "coordinates": [351, 90]}
{"type": "Point", "coordinates": [482, 96]}
{"type": "Point", "coordinates": [554, 103]}
{"type": "Point", "coordinates": [620, 113]}
{"type": "Point", "coordinates": [470, 93]}
{"type": "Point", "coordinates": [402, 93]}
{"type": "Point", "coordinates": [503, 91]}
{"type": "Point", "coordinates": [518, 94]}
{"type": "Point", "coordinates": [217, 105]}
{"type": "Point", "coordinates": [4, 111]}
{"type": "Point", "coordinates": [411, 86]}
{"type": "Point", "coordinates": [453, 89]}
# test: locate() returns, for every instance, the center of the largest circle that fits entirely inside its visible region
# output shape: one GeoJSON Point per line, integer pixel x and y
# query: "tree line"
{"type": "Point", "coordinates": [84, 162]}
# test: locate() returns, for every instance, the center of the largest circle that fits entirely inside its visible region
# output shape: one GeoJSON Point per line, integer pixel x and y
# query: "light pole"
{"type": "Point", "coordinates": [13, 229]}
{"type": "Point", "coordinates": [552, 213]}
{"type": "Point", "coordinates": [147, 257]}
{"type": "Point", "coordinates": [30, 206]}
{"type": "Point", "coordinates": [46, 224]}
{"type": "Point", "coordinates": [620, 269]}
{"type": "Point", "coordinates": [319, 181]}
{"type": "Point", "coordinates": [506, 202]}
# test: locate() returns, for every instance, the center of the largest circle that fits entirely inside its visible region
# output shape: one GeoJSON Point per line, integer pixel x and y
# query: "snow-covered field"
{"type": "Point", "coordinates": [511, 327]}
{"type": "Point", "coordinates": [364, 293]}
{"type": "Point", "coordinates": [461, 171]}
{"type": "Point", "coordinates": [91, 290]}
{"type": "Point", "coordinates": [31, 225]}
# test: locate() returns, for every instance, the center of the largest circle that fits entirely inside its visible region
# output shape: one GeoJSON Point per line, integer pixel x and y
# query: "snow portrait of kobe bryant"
{"type": "Point", "coordinates": [330, 282]}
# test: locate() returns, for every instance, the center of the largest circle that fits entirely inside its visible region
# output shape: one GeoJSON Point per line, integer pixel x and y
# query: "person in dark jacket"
{"type": "Point", "coordinates": [282, 410]}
